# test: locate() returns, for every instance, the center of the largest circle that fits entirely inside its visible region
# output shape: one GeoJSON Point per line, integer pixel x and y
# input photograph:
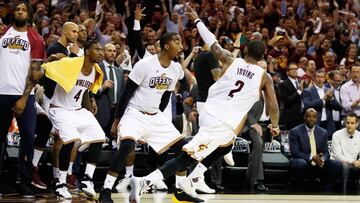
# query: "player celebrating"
{"type": "Point", "coordinates": [75, 77]}
{"type": "Point", "coordinates": [224, 113]}
{"type": "Point", "coordinates": [146, 95]}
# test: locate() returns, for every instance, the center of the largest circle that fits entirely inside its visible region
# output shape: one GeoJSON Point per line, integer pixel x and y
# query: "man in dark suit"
{"type": "Point", "coordinates": [111, 91]}
{"type": "Point", "coordinates": [322, 99]}
{"type": "Point", "coordinates": [334, 82]}
{"type": "Point", "coordinates": [254, 130]}
{"type": "Point", "coordinates": [290, 91]}
{"type": "Point", "coordinates": [309, 149]}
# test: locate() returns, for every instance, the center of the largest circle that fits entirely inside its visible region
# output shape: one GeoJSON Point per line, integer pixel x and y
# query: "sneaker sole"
{"type": "Point", "coordinates": [175, 200]}
{"type": "Point", "coordinates": [88, 193]}
{"type": "Point", "coordinates": [38, 186]}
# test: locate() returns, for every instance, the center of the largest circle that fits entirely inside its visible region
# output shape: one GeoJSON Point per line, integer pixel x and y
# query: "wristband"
{"type": "Point", "coordinates": [197, 21]}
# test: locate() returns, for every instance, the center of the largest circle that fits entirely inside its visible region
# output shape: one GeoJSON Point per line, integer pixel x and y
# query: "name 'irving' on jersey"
{"type": "Point", "coordinates": [245, 72]}
{"type": "Point", "coordinates": [15, 43]}
{"type": "Point", "coordinates": [160, 82]}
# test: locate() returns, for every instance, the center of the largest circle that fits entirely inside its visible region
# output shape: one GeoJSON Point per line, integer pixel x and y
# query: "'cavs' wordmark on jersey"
{"type": "Point", "coordinates": [83, 83]}
{"type": "Point", "coordinates": [160, 82]}
{"type": "Point", "coordinates": [15, 43]}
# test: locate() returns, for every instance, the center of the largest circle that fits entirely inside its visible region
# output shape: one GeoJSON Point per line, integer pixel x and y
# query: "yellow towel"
{"type": "Point", "coordinates": [66, 71]}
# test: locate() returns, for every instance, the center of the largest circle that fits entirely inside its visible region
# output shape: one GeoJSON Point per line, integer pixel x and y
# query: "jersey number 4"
{"type": "Point", "coordinates": [77, 96]}
{"type": "Point", "coordinates": [239, 84]}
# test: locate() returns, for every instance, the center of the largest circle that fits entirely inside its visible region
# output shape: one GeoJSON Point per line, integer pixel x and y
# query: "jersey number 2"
{"type": "Point", "coordinates": [77, 96]}
{"type": "Point", "coordinates": [239, 84]}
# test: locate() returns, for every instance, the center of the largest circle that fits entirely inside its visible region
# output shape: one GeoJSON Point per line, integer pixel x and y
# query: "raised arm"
{"type": "Point", "coordinates": [209, 38]}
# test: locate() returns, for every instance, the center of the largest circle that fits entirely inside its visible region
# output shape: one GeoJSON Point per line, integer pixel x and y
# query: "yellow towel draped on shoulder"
{"type": "Point", "coordinates": [66, 71]}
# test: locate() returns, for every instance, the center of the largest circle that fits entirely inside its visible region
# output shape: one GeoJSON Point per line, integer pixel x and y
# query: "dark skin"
{"type": "Point", "coordinates": [93, 55]}
{"type": "Point", "coordinates": [171, 50]}
{"type": "Point", "coordinates": [35, 70]}
{"type": "Point", "coordinates": [226, 58]}
{"type": "Point", "coordinates": [310, 119]}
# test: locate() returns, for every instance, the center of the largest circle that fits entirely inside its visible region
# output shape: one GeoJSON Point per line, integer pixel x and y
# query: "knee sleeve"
{"type": "Point", "coordinates": [179, 163]}
{"type": "Point", "coordinates": [65, 153]}
{"type": "Point", "coordinates": [92, 156]}
{"type": "Point", "coordinates": [119, 159]}
{"type": "Point", "coordinates": [216, 155]}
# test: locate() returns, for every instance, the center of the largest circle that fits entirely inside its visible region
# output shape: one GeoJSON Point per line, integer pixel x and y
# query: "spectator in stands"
{"type": "Point", "coordinates": [345, 148]}
{"type": "Point", "coordinates": [290, 90]}
{"type": "Point", "coordinates": [334, 82]}
{"type": "Point", "coordinates": [329, 62]}
{"type": "Point", "coordinates": [300, 51]}
{"type": "Point", "coordinates": [322, 99]}
{"type": "Point", "coordinates": [340, 44]}
{"type": "Point", "coordinates": [309, 74]}
{"type": "Point", "coordinates": [309, 149]}
{"type": "Point", "coordinates": [350, 57]}
{"type": "Point", "coordinates": [350, 92]}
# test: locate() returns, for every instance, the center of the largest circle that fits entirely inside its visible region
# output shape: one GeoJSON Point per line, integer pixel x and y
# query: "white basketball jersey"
{"type": "Point", "coordinates": [15, 62]}
{"type": "Point", "coordinates": [153, 81]}
{"type": "Point", "coordinates": [232, 96]}
{"type": "Point", "coordinates": [73, 99]}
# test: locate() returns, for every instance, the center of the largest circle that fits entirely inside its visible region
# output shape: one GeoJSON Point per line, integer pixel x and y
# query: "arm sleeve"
{"type": "Point", "coordinates": [129, 90]}
{"type": "Point", "coordinates": [164, 100]}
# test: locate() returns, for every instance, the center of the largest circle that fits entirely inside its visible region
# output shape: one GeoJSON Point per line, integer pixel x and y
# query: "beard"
{"type": "Point", "coordinates": [20, 23]}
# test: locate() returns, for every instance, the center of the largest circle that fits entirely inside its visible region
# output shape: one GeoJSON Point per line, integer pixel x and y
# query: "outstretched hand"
{"type": "Point", "coordinates": [138, 12]}
{"type": "Point", "coordinates": [190, 13]}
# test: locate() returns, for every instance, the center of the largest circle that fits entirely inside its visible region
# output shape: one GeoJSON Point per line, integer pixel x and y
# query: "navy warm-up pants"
{"type": "Point", "coordinates": [26, 123]}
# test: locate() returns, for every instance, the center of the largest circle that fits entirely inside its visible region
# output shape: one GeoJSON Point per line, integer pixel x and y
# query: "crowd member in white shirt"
{"type": "Point", "coordinates": [346, 148]}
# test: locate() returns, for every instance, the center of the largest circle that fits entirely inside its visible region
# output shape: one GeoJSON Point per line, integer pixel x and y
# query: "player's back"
{"type": "Point", "coordinates": [233, 95]}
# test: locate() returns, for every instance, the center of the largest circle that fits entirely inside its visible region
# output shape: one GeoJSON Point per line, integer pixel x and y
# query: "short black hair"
{"type": "Point", "coordinates": [89, 43]}
{"type": "Point", "coordinates": [255, 49]}
{"type": "Point", "coordinates": [166, 38]}
{"type": "Point", "coordinates": [352, 114]}
{"type": "Point", "coordinates": [29, 10]}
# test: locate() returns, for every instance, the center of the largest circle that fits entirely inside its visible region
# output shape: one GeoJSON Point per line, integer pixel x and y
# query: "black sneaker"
{"type": "Point", "coordinates": [24, 190]}
{"type": "Point", "coordinates": [180, 196]}
{"type": "Point", "coordinates": [105, 196]}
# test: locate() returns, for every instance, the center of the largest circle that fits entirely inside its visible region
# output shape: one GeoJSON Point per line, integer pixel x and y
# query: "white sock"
{"type": "Point", "coordinates": [198, 171]}
{"type": "Point", "coordinates": [62, 177]}
{"type": "Point", "coordinates": [69, 171]}
{"type": "Point", "coordinates": [109, 181]}
{"type": "Point", "coordinates": [90, 168]}
{"type": "Point", "coordinates": [37, 156]}
{"type": "Point", "coordinates": [179, 179]}
{"type": "Point", "coordinates": [155, 176]}
{"type": "Point", "coordinates": [56, 172]}
{"type": "Point", "coordinates": [129, 170]}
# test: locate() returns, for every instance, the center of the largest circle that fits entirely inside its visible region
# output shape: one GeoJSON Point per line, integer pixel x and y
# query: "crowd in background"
{"type": "Point", "coordinates": [312, 47]}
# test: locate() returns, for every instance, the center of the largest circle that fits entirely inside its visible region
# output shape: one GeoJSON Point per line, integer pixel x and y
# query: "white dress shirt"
{"type": "Point", "coordinates": [344, 148]}
{"type": "Point", "coordinates": [321, 93]}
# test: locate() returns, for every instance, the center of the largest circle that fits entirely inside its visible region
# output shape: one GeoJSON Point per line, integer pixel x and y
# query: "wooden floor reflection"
{"type": "Point", "coordinates": [217, 198]}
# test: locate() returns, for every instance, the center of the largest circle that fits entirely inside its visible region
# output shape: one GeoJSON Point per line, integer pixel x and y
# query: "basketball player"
{"type": "Point", "coordinates": [224, 113]}
{"type": "Point", "coordinates": [146, 95]}
{"type": "Point", "coordinates": [75, 77]}
{"type": "Point", "coordinates": [21, 52]}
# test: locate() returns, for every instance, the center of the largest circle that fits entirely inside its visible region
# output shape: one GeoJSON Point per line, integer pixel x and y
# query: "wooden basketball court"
{"type": "Point", "coordinates": [216, 198]}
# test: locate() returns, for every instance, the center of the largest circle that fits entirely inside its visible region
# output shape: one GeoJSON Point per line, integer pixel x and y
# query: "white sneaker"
{"type": "Point", "coordinates": [202, 187]}
{"type": "Point", "coordinates": [228, 158]}
{"type": "Point", "coordinates": [62, 191]}
{"type": "Point", "coordinates": [160, 186]}
{"type": "Point", "coordinates": [87, 186]}
{"type": "Point", "coordinates": [188, 187]}
{"type": "Point", "coordinates": [123, 184]}
{"type": "Point", "coordinates": [138, 186]}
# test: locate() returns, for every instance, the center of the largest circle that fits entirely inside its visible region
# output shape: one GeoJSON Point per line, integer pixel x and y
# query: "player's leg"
{"type": "Point", "coordinates": [27, 124]}
{"type": "Point", "coordinates": [71, 179]}
{"type": "Point", "coordinates": [6, 104]}
{"type": "Point", "coordinates": [42, 131]}
{"type": "Point", "coordinates": [131, 130]}
{"type": "Point", "coordinates": [124, 183]}
{"type": "Point", "coordinates": [61, 189]}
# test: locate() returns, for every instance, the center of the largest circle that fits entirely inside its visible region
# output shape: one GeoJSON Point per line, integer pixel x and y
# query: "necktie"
{"type": "Point", "coordinates": [296, 84]}
{"type": "Point", "coordinates": [312, 145]}
{"type": "Point", "coordinates": [111, 90]}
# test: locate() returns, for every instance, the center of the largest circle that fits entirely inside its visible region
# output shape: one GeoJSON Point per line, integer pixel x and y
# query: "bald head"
{"type": "Point", "coordinates": [110, 53]}
{"type": "Point", "coordinates": [70, 32]}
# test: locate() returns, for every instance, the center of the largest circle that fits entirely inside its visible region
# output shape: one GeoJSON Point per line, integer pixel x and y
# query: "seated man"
{"type": "Point", "coordinates": [309, 148]}
{"type": "Point", "coordinates": [345, 147]}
